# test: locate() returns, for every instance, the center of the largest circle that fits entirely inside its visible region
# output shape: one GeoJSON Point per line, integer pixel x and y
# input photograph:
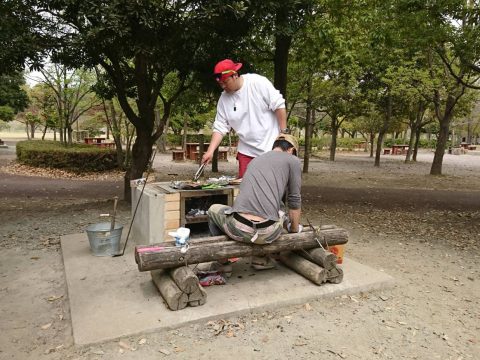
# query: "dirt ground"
{"type": "Point", "coordinates": [422, 230]}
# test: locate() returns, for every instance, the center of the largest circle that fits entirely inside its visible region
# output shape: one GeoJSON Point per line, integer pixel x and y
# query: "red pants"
{"type": "Point", "coordinates": [243, 161]}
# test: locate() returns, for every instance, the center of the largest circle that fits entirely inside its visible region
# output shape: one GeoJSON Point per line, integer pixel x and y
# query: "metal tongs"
{"type": "Point", "coordinates": [316, 235]}
{"type": "Point", "coordinates": [199, 172]}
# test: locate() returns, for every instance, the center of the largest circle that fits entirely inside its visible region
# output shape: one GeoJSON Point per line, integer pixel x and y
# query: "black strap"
{"type": "Point", "coordinates": [253, 224]}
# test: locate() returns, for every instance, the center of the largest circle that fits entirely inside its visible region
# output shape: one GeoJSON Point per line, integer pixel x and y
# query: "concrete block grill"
{"type": "Point", "coordinates": [163, 209]}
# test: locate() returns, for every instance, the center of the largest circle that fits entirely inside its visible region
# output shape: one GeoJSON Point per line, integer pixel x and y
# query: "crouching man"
{"type": "Point", "coordinates": [257, 216]}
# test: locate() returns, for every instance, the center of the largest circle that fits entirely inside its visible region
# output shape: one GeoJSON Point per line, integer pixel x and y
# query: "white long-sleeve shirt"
{"type": "Point", "coordinates": [250, 111]}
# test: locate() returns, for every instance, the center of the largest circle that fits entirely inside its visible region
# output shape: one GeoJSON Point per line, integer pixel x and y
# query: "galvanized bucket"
{"type": "Point", "coordinates": [103, 241]}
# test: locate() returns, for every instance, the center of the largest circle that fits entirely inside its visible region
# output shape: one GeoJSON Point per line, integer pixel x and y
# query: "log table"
{"type": "Point", "coordinates": [180, 287]}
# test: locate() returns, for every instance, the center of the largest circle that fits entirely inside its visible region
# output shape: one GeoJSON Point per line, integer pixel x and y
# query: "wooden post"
{"type": "Point", "coordinates": [185, 279]}
{"type": "Point", "coordinates": [319, 256]}
{"type": "Point", "coordinates": [307, 269]}
{"type": "Point", "coordinates": [173, 296]}
{"type": "Point", "coordinates": [335, 275]}
{"type": "Point", "coordinates": [198, 297]}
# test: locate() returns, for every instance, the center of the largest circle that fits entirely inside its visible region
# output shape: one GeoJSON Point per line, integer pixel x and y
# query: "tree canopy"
{"type": "Point", "coordinates": [13, 97]}
{"type": "Point", "coordinates": [389, 61]}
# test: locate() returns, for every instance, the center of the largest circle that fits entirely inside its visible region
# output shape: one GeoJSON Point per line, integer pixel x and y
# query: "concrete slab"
{"type": "Point", "coordinates": [110, 298]}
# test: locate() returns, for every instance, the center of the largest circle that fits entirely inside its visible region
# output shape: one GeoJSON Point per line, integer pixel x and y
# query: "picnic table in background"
{"type": "Point", "coordinates": [99, 141]}
{"type": "Point", "coordinates": [399, 149]}
{"type": "Point", "coordinates": [192, 149]}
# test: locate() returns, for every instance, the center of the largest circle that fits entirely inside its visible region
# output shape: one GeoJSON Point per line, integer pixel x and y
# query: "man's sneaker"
{"type": "Point", "coordinates": [215, 266]}
{"type": "Point", "coordinates": [263, 262]}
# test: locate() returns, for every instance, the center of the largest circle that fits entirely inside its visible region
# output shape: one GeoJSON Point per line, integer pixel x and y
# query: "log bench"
{"type": "Point", "coordinates": [180, 288]}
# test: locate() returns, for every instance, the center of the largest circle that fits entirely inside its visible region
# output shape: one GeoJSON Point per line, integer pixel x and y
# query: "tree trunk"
{"type": "Point", "coordinates": [383, 130]}
{"type": "Point", "coordinates": [162, 140]}
{"type": "Point", "coordinates": [115, 124]}
{"type": "Point", "coordinates": [308, 128]}
{"type": "Point", "coordinates": [333, 142]}
{"type": "Point", "coordinates": [282, 46]}
{"type": "Point", "coordinates": [184, 135]}
{"type": "Point", "coordinates": [411, 143]}
{"type": "Point", "coordinates": [32, 131]}
{"type": "Point", "coordinates": [70, 134]}
{"type": "Point", "coordinates": [417, 141]}
{"type": "Point", "coordinates": [372, 143]}
{"type": "Point", "coordinates": [141, 153]}
{"type": "Point", "coordinates": [436, 168]}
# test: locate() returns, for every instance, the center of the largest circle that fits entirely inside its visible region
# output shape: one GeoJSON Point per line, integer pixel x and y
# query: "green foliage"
{"type": "Point", "coordinates": [422, 143]}
{"type": "Point", "coordinates": [6, 113]}
{"type": "Point", "coordinates": [4, 125]}
{"type": "Point", "coordinates": [176, 139]}
{"type": "Point", "coordinates": [390, 141]}
{"type": "Point", "coordinates": [12, 95]}
{"type": "Point", "coordinates": [319, 143]}
{"type": "Point", "coordinates": [43, 103]}
{"type": "Point", "coordinates": [23, 36]}
{"type": "Point", "coordinates": [427, 144]}
{"type": "Point", "coordinates": [349, 143]}
{"type": "Point", "coordinates": [94, 124]}
{"type": "Point", "coordinates": [78, 157]}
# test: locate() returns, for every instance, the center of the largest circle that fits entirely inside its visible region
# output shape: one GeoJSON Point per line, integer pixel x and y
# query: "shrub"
{"type": "Point", "coordinates": [389, 142]}
{"type": "Point", "coordinates": [77, 158]}
{"type": "Point", "coordinates": [324, 142]}
{"type": "Point", "coordinates": [176, 139]}
{"type": "Point", "coordinates": [429, 144]}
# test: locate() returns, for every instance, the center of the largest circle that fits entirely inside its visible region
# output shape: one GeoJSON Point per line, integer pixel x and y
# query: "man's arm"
{"type": "Point", "coordinates": [214, 142]}
{"type": "Point", "coordinates": [281, 115]}
{"type": "Point", "coordinates": [294, 216]}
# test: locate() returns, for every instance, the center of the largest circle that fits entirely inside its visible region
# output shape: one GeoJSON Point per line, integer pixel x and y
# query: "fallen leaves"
{"type": "Point", "coordinates": [54, 298]}
{"type": "Point", "coordinates": [25, 170]}
{"type": "Point", "coordinates": [125, 346]}
{"type": "Point", "coordinates": [225, 326]}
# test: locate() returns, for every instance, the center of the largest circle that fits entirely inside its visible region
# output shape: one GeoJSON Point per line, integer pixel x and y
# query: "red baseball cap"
{"type": "Point", "coordinates": [225, 69]}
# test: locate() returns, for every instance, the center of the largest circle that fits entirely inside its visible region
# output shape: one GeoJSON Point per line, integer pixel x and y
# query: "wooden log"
{"type": "Point", "coordinates": [173, 296]}
{"type": "Point", "coordinates": [307, 269]}
{"type": "Point", "coordinates": [321, 257]}
{"type": "Point", "coordinates": [198, 297]}
{"type": "Point", "coordinates": [335, 275]}
{"type": "Point", "coordinates": [185, 279]}
{"type": "Point", "coordinates": [167, 255]}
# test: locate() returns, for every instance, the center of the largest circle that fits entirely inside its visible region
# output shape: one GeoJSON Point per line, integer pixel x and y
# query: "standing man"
{"type": "Point", "coordinates": [256, 216]}
{"type": "Point", "coordinates": [251, 106]}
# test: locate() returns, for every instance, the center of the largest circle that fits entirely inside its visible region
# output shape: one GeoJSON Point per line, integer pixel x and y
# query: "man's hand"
{"type": "Point", "coordinates": [214, 143]}
{"type": "Point", "coordinates": [207, 157]}
{"type": "Point", "coordinates": [289, 228]}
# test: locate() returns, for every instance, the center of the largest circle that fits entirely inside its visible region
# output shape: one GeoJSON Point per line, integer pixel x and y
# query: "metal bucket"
{"type": "Point", "coordinates": [104, 242]}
